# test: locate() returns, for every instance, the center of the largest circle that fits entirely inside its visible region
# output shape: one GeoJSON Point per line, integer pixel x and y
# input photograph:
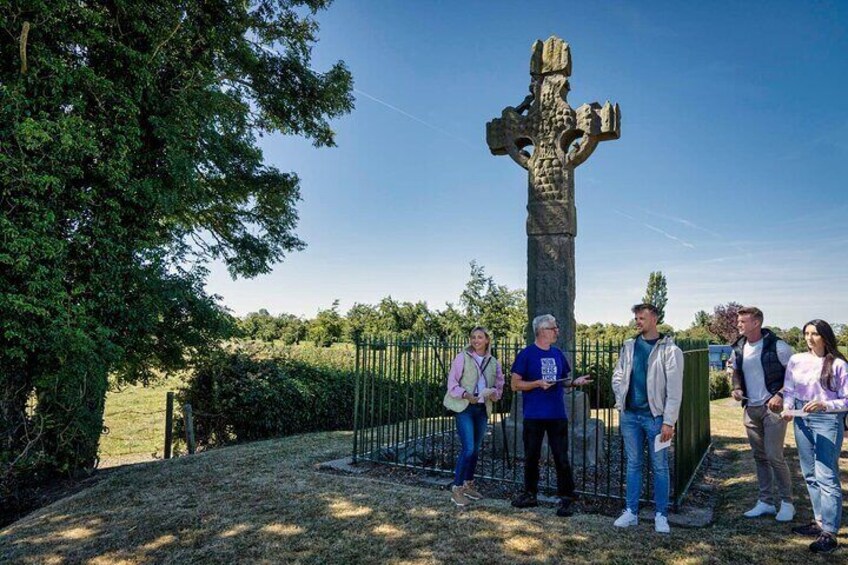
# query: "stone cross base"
{"type": "Point", "coordinates": [583, 433]}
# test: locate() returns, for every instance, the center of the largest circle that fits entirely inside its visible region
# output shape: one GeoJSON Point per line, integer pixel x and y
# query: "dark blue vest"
{"type": "Point", "coordinates": [773, 369]}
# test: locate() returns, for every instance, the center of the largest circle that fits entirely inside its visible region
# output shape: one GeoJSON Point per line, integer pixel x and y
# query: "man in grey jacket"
{"type": "Point", "coordinates": [648, 387]}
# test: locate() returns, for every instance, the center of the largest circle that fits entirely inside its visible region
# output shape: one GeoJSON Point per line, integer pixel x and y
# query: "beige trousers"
{"type": "Point", "coordinates": [766, 432]}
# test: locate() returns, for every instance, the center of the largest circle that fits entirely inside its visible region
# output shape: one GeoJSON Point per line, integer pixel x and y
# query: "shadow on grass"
{"type": "Point", "coordinates": [266, 502]}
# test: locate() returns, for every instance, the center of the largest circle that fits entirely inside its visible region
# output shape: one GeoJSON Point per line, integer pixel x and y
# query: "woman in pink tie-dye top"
{"type": "Point", "coordinates": [816, 384]}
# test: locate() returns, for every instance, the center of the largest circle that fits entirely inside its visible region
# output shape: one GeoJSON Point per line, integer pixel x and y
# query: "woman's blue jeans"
{"type": "Point", "coordinates": [636, 429]}
{"type": "Point", "coordinates": [819, 440]}
{"type": "Point", "coordinates": [471, 426]}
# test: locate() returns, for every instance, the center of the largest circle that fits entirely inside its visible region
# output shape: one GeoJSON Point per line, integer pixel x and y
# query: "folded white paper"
{"type": "Point", "coordinates": [659, 445]}
{"type": "Point", "coordinates": [796, 413]}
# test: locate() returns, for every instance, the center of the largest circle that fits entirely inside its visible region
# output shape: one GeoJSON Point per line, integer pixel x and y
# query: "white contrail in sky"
{"type": "Point", "coordinates": [417, 119]}
{"type": "Point", "coordinates": [669, 236]}
{"type": "Point", "coordinates": [723, 238]}
{"type": "Point", "coordinates": [684, 222]}
{"type": "Point", "coordinates": [656, 229]}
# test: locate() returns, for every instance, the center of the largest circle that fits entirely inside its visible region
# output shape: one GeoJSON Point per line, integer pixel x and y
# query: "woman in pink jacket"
{"type": "Point", "coordinates": [475, 382]}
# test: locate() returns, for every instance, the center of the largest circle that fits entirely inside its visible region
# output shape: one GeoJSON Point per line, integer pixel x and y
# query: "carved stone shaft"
{"type": "Point", "coordinates": [562, 138]}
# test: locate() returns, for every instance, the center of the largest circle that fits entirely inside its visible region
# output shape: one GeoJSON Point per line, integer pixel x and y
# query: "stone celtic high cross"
{"type": "Point", "coordinates": [562, 138]}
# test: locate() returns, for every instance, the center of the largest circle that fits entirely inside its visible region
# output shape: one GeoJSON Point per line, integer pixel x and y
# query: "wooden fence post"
{"type": "Point", "coordinates": [189, 428]}
{"type": "Point", "coordinates": [169, 423]}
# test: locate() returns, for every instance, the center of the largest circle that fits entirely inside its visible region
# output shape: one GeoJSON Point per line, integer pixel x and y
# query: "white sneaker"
{"type": "Point", "coordinates": [760, 509]}
{"type": "Point", "coordinates": [626, 519]}
{"type": "Point", "coordinates": [787, 512]}
{"type": "Point", "coordinates": [661, 524]}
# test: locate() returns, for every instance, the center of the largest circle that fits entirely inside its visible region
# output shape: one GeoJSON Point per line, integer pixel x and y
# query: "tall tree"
{"type": "Point", "coordinates": [327, 327]}
{"type": "Point", "coordinates": [794, 336]}
{"type": "Point", "coordinates": [699, 330]}
{"type": "Point", "coordinates": [128, 161]}
{"type": "Point", "coordinates": [702, 319]}
{"type": "Point", "coordinates": [657, 293]}
{"type": "Point", "coordinates": [451, 323]}
{"type": "Point", "coordinates": [360, 321]}
{"type": "Point", "coordinates": [500, 310]}
{"type": "Point", "coordinates": [611, 333]}
{"type": "Point", "coordinates": [841, 334]}
{"type": "Point", "coordinates": [723, 321]}
{"type": "Point", "coordinates": [262, 326]}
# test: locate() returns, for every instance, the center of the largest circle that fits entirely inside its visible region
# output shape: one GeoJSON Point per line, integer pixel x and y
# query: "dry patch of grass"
{"type": "Point", "coordinates": [265, 502]}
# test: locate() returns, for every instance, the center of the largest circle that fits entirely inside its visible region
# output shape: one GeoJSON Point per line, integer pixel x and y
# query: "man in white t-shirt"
{"type": "Point", "coordinates": [759, 363]}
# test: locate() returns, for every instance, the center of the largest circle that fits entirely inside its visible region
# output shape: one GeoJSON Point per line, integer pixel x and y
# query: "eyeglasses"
{"type": "Point", "coordinates": [553, 328]}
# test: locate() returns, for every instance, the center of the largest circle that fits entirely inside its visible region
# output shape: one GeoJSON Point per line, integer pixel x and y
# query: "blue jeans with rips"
{"type": "Point", "coordinates": [819, 440]}
{"type": "Point", "coordinates": [636, 428]}
{"type": "Point", "coordinates": [471, 426]}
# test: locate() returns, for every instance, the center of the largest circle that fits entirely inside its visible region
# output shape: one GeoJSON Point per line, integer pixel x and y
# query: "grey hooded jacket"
{"type": "Point", "coordinates": [665, 378]}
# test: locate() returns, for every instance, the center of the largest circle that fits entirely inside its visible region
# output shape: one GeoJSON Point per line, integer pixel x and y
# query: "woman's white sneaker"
{"type": "Point", "coordinates": [626, 519]}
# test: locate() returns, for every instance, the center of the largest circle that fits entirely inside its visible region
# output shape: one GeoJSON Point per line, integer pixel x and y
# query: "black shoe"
{"type": "Point", "coordinates": [825, 544]}
{"type": "Point", "coordinates": [812, 530]}
{"type": "Point", "coordinates": [564, 508]}
{"type": "Point", "coordinates": [526, 500]}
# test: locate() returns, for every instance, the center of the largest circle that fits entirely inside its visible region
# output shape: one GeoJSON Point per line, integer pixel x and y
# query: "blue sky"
{"type": "Point", "coordinates": [730, 174]}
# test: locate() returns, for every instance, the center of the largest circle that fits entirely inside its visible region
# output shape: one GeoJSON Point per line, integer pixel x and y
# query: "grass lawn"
{"type": "Point", "coordinates": [135, 420]}
{"type": "Point", "coordinates": [135, 415]}
{"type": "Point", "coordinates": [265, 502]}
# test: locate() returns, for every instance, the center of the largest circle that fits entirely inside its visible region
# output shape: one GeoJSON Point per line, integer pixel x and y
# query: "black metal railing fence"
{"type": "Point", "coordinates": [399, 418]}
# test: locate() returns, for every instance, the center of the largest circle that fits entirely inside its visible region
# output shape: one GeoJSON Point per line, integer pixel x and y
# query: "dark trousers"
{"type": "Point", "coordinates": [534, 433]}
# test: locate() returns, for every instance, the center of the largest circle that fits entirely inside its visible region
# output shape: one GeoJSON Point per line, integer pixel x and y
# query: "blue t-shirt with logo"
{"type": "Point", "coordinates": [534, 363]}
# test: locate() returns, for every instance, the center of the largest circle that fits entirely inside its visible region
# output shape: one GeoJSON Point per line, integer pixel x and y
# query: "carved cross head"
{"type": "Point", "coordinates": [551, 126]}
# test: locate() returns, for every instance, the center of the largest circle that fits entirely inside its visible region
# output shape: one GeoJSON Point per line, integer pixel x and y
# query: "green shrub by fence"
{"type": "Point", "coordinates": [237, 397]}
{"type": "Point", "coordinates": [720, 384]}
{"type": "Point", "coordinates": [341, 356]}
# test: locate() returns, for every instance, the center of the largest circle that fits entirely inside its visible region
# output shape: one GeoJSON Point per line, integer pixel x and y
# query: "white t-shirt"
{"type": "Point", "coordinates": [752, 367]}
{"type": "Point", "coordinates": [481, 379]}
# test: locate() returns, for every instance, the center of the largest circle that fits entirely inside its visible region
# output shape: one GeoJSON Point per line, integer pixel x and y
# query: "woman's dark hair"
{"type": "Point", "coordinates": [831, 352]}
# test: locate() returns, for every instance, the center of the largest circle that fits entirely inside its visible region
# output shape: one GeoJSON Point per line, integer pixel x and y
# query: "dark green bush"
{"type": "Point", "coordinates": [236, 398]}
{"type": "Point", "coordinates": [719, 385]}
{"type": "Point", "coordinates": [600, 392]}
{"type": "Point", "coordinates": [340, 356]}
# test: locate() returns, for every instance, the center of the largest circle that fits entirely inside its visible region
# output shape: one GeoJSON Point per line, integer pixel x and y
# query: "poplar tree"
{"type": "Point", "coordinates": [657, 293]}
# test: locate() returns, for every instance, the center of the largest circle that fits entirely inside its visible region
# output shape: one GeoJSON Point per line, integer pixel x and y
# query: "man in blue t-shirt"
{"type": "Point", "coordinates": [541, 372]}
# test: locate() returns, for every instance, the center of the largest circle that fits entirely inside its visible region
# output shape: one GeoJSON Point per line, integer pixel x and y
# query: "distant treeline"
{"type": "Point", "coordinates": [500, 309]}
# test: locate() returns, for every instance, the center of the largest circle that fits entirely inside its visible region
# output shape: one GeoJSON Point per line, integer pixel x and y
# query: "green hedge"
{"type": "Point", "coordinates": [720, 385]}
{"type": "Point", "coordinates": [340, 356]}
{"type": "Point", "coordinates": [236, 397]}
{"type": "Point", "coordinates": [602, 375]}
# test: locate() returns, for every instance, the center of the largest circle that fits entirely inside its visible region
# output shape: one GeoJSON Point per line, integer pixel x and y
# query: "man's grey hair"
{"type": "Point", "coordinates": [543, 320]}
